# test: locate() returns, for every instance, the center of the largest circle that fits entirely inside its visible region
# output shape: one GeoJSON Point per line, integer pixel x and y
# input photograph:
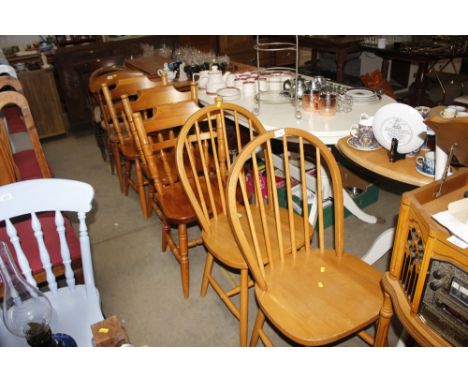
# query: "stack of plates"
{"type": "Point", "coordinates": [362, 95]}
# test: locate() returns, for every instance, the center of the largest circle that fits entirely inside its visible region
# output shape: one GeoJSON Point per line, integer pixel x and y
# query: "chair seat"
{"type": "Point", "coordinates": [222, 243]}
{"type": "Point", "coordinates": [175, 205]}
{"type": "Point", "coordinates": [68, 304]}
{"type": "Point", "coordinates": [128, 150]}
{"type": "Point", "coordinates": [28, 165]}
{"type": "Point", "coordinates": [14, 119]}
{"type": "Point", "coordinates": [51, 238]}
{"type": "Point", "coordinates": [305, 300]}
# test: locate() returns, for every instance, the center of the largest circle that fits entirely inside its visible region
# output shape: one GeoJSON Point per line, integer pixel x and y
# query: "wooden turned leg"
{"type": "Point", "coordinates": [110, 155]}
{"type": "Point", "coordinates": [244, 306]}
{"type": "Point", "coordinates": [100, 140]}
{"type": "Point", "coordinates": [259, 321]}
{"type": "Point", "coordinates": [118, 165]}
{"type": "Point", "coordinates": [184, 261]}
{"type": "Point", "coordinates": [165, 232]}
{"type": "Point", "coordinates": [128, 174]}
{"type": "Point", "coordinates": [383, 325]}
{"type": "Point", "coordinates": [141, 190]}
{"type": "Point", "coordinates": [149, 198]}
{"type": "Point", "coordinates": [206, 274]}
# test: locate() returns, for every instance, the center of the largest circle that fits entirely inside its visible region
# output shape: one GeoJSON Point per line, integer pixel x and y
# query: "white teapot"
{"type": "Point", "coordinates": [202, 78]}
{"type": "Point", "coordinates": [216, 80]}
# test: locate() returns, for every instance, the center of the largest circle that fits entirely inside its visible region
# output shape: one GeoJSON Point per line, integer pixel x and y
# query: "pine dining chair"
{"type": "Point", "coordinates": [41, 202]}
{"type": "Point", "coordinates": [316, 294]}
{"type": "Point", "coordinates": [155, 138]}
{"type": "Point", "coordinates": [121, 139]}
{"type": "Point", "coordinates": [219, 131]}
{"type": "Point", "coordinates": [109, 75]}
{"type": "Point", "coordinates": [31, 163]}
{"type": "Point", "coordinates": [106, 135]}
{"type": "Point", "coordinates": [10, 83]}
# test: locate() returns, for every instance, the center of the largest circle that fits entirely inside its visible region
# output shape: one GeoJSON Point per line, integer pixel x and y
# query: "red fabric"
{"type": "Point", "coordinates": [51, 239]}
{"type": "Point", "coordinates": [27, 165]}
{"type": "Point", "coordinates": [14, 120]}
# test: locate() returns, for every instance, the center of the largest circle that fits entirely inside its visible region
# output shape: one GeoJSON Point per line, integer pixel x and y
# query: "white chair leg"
{"type": "Point", "coordinates": [380, 247]}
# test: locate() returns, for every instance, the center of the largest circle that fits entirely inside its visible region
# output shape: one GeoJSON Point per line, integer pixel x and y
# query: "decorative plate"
{"type": "Point", "coordinates": [399, 121]}
{"type": "Point", "coordinates": [355, 145]}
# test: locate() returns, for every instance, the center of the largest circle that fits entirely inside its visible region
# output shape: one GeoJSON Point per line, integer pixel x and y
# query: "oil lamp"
{"type": "Point", "coordinates": [26, 310]}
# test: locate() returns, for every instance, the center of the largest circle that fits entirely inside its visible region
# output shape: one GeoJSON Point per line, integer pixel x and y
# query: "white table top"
{"type": "Point", "coordinates": [328, 129]}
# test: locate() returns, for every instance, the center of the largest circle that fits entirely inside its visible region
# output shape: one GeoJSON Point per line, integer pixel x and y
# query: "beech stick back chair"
{"type": "Point", "coordinates": [315, 294]}
{"type": "Point", "coordinates": [206, 148]}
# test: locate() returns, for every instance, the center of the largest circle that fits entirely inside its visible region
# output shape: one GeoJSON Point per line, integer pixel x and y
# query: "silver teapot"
{"type": "Point", "coordinates": [294, 88]}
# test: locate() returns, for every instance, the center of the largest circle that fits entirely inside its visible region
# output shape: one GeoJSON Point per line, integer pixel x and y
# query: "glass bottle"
{"type": "Point", "coordinates": [26, 310]}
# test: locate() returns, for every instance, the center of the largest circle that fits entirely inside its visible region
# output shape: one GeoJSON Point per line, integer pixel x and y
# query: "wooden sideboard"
{"type": "Point", "coordinates": [41, 92]}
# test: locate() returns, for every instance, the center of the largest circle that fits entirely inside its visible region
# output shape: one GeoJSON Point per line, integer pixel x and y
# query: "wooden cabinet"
{"type": "Point", "coordinates": [427, 281]}
{"type": "Point", "coordinates": [74, 65]}
{"type": "Point", "coordinates": [41, 92]}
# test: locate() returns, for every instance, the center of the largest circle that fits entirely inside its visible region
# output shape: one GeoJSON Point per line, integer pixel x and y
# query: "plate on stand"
{"type": "Point", "coordinates": [399, 121]}
{"type": "Point", "coordinates": [355, 145]}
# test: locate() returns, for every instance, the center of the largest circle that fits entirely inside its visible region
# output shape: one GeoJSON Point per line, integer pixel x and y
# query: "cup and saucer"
{"type": "Point", "coordinates": [424, 171]}
{"type": "Point", "coordinates": [425, 165]}
{"type": "Point", "coordinates": [356, 144]}
{"type": "Point", "coordinates": [362, 135]}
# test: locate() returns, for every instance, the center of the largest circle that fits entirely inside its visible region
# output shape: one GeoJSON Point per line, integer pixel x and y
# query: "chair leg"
{"type": "Point", "coordinates": [259, 321]}
{"type": "Point", "coordinates": [126, 177]}
{"type": "Point", "coordinates": [206, 274]}
{"type": "Point", "coordinates": [244, 306]}
{"type": "Point", "coordinates": [386, 313]}
{"type": "Point", "coordinates": [141, 190]}
{"type": "Point", "coordinates": [184, 261]}
{"type": "Point", "coordinates": [118, 164]}
{"type": "Point", "coordinates": [165, 232]}
{"type": "Point", "coordinates": [100, 140]}
{"type": "Point", "coordinates": [110, 155]}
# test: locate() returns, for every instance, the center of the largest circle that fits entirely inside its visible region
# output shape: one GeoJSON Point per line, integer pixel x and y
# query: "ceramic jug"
{"type": "Point", "coordinates": [202, 78]}
{"type": "Point", "coordinates": [216, 80]}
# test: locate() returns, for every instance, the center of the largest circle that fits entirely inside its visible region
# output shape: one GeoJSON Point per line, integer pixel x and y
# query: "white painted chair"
{"type": "Point", "coordinates": [7, 69]}
{"type": "Point", "coordinates": [75, 307]}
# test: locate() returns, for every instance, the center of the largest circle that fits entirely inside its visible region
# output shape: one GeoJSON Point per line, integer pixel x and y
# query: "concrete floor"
{"type": "Point", "coordinates": [141, 285]}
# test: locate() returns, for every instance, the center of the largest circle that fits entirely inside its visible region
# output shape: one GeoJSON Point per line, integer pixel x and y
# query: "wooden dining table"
{"type": "Point", "coordinates": [377, 161]}
{"type": "Point", "coordinates": [403, 170]}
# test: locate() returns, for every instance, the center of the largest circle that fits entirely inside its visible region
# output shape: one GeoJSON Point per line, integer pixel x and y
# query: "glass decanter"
{"type": "Point", "coordinates": [26, 310]}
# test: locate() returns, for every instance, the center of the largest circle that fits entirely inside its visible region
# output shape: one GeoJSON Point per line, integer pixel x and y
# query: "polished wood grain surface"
{"type": "Point", "coordinates": [377, 161]}
{"type": "Point", "coordinates": [315, 294]}
{"type": "Point", "coordinates": [415, 218]}
{"type": "Point", "coordinates": [41, 92]}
